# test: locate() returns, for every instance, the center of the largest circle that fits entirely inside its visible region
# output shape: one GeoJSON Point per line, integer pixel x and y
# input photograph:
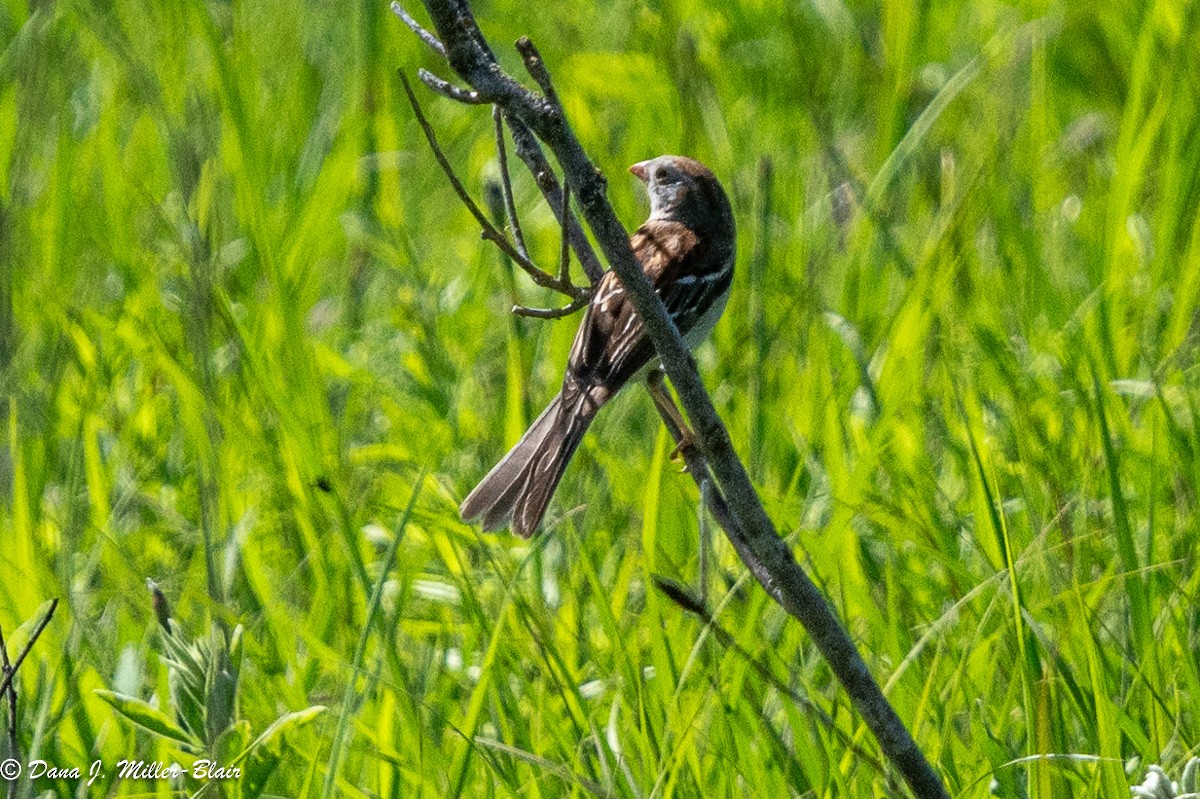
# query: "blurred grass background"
{"type": "Point", "coordinates": [241, 314]}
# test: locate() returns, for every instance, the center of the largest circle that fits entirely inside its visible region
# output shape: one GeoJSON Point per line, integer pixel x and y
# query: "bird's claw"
{"type": "Point", "coordinates": [683, 448]}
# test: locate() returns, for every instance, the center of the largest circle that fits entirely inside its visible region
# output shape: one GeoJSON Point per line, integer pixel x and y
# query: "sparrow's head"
{"type": "Point", "coordinates": [684, 190]}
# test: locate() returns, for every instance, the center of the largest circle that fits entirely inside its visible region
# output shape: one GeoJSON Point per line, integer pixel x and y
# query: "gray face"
{"type": "Point", "coordinates": [668, 186]}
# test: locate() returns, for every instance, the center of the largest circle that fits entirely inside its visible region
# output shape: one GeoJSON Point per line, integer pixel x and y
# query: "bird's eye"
{"type": "Point", "coordinates": [663, 175]}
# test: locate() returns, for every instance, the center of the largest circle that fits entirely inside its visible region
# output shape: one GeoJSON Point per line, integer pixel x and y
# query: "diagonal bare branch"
{"type": "Point", "coordinates": [489, 230]}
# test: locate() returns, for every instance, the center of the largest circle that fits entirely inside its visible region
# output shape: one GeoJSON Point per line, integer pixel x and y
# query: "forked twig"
{"type": "Point", "coordinates": [699, 608]}
{"type": "Point", "coordinates": [489, 230]}
{"type": "Point", "coordinates": [564, 270]}
{"type": "Point", "coordinates": [526, 144]}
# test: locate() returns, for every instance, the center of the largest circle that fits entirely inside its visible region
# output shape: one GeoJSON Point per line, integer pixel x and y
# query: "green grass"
{"type": "Point", "coordinates": [960, 357]}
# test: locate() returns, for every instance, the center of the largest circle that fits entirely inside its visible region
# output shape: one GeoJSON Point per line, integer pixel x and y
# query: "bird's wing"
{"type": "Point", "coordinates": [610, 346]}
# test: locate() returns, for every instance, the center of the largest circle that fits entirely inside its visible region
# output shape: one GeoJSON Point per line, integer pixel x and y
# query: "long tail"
{"type": "Point", "coordinates": [518, 489]}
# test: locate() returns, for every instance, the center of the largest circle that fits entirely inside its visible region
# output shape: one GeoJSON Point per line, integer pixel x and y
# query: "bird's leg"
{"type": "Point", "coordinates": [685, 448]}
{"type": "Point", "coordinates": [682, 434]}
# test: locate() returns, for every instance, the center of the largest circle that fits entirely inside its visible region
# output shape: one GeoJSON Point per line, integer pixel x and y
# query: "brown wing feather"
{"type": "Point", "coordinates": [610, 347]}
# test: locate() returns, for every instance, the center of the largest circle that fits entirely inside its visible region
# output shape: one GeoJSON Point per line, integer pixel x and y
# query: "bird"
{"type": "Point", "coordinates": [686, 249]}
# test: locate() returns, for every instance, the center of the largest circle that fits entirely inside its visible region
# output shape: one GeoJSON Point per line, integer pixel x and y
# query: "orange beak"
{"type": "Point", "coordinates": [639, 170]}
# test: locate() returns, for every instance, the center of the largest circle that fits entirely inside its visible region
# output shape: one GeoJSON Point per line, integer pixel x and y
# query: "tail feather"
{"type": "Point", "coordinates": [491, 501]}
{"type": "Point", "coordinates": [518, 489]}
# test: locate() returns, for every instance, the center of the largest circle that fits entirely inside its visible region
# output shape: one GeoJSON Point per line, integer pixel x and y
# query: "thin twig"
{"type": "Point", "coordinates": [12, 698]}
{"type": "Point", "coordinates": [537, 69]}
{"type": "Point", "coordinates": [550, 313]}
{"type": "Point", "coordinates": [510, 208]}
{"type": "Point", "coordinates": [434, 43]}
{"type": "Point", "coordinates": [528, 150]}
{"type": "Point", "coordinates": [8, 678]}
{"type": "Point", "coordinates": [448, 90]}
{"type": "Point", "coordinates": [564, 255]}
{"type": "Point", "coordinates": [489, 230]}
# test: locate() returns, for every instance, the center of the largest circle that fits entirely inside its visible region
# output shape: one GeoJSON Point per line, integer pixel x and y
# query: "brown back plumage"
{"type": "Point", "coordinates": [686, 251]}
